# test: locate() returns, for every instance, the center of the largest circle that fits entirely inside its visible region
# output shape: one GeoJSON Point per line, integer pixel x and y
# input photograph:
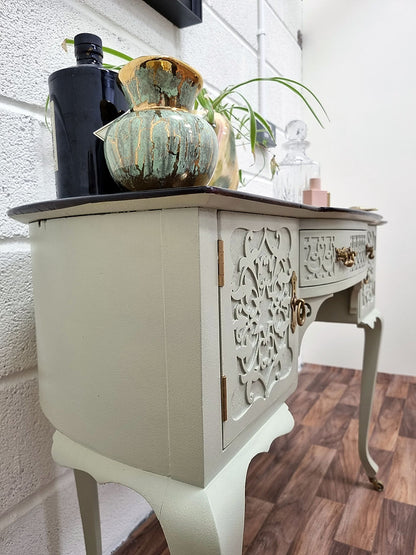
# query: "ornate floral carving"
{"type": "Point", "coordinates": [368, 289]}
{"type": "Point", "coordinates": [260, 299]}
{"type": "Point", "coordinates": [319, 257]}
{"type": "Point", "coordinates": [358, 243]}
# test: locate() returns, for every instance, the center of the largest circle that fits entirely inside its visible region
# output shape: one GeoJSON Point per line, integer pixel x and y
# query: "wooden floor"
{"type": "Point", "coordinates": [308, 495]}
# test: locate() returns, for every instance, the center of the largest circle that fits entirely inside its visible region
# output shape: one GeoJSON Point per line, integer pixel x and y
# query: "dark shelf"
{"type": "Point", "coordinates": [182, 13]}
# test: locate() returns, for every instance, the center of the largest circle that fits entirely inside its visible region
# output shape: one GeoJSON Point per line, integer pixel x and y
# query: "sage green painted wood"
{"type": "Point", "coordinates": [100, 333]}
{"type": "Point", "coordinates": [207, 521]}
{"type": "Point", "coordinates": [131, 344]}
{"type": "Point", "coordinates": [90, 511]}
{"type": "Point", "coordinates": [259, 350]}
{"type": "Point", "coordinates": [372, 337]}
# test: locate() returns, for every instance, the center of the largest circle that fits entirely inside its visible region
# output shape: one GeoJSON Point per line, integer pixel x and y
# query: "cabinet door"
{"type": "Point", "coordinates": [259, 350]}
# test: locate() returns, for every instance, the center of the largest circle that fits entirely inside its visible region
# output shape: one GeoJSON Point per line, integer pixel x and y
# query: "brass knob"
{"type": "Point", "coordinates": [346, 256]}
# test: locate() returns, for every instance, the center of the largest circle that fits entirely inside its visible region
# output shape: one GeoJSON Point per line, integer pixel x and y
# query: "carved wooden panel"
{"type": "Point", "coordinates": [318, 263]}
{"type": "Point", "coordinates": [368, 289]}
{"type": "Point", "coordinates": [260, 300]}
{"type": "Point", "coordinates": [358, 244]}
{"type": "Point", "coordinates": [259, 350]}
{"type": "Point", "coordinates": [319, 257]}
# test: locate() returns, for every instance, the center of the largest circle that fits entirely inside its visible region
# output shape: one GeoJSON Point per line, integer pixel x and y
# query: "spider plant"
{"type": "Point", "coordinates": [241, 115]}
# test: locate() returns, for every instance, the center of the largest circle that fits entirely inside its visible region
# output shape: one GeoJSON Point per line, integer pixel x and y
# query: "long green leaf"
{"type": "Point", "coordinates": [260, 119]}
{"type": "Point", "coordinates": [252, 127]}
{"type": "Point", "coordinates": [304, 100]}
{"type": "Point", "coordinates": [283, 81]}
{"type": "Point", "coordinates": [206, 103]}
{"type": "Point", "coordinates": [48, 99]}
{"type": "Point", "coordinates": [106, 49]}
{"type": "Point", "coordinates": [280, 79]}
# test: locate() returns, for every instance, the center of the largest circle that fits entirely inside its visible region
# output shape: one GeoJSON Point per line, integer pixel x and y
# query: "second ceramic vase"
{"type": "Point", "coordinates": [226, 173]}
{"type": "Point", "coordinates": [161, 143]}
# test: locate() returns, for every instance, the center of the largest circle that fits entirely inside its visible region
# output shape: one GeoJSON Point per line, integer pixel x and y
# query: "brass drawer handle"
{"type": "Point", "coordinates": [370, 251]}
{"type": "Point", "coordinates": [346, 256]}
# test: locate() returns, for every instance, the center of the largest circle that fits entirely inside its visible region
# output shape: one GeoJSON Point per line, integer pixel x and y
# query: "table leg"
{"type": "Point", "coordinates": [196, 520]}
{"type": "Point", "coordinates": [90, 511]}
{"type": "Point", "coordinates": [208, 521]}
{"type": "Point", "coordinates": [372, 339]}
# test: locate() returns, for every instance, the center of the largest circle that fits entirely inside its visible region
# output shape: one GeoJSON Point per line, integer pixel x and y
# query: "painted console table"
{"type": "Point", "coordinates": [168, 330]}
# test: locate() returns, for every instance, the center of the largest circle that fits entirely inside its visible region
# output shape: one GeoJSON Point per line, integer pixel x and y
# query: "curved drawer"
{"type": "Point", "coordinates": [318, 264]}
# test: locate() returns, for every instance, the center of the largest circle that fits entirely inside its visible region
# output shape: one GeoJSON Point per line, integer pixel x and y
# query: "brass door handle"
{"type": "Point", "coordinates": [300, 309]}
{"type": "Point", "coordinates": [346, 256]}
{"type": "Point", "coordinates": [370, 251]}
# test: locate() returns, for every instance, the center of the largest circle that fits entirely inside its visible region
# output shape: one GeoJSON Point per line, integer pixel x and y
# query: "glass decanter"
{"type": "Point", "coordinates": [296, 168]}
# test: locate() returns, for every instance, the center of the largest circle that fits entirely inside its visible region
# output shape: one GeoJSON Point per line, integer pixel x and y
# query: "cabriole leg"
{"type": "Point", "coordinates": [195, 520]}
{"type": "Point", "coordinates": [372, 340]}
{"type": "Point", "coordinates": [90, 513]}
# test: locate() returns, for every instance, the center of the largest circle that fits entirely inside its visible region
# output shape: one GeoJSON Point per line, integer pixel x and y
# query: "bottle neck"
{"type": "Point", "coordinates": [88, 49]}
{"type": "Point", "coordinates": [91, 59]}
{"type": "Point", "coordinates": [296, 153]}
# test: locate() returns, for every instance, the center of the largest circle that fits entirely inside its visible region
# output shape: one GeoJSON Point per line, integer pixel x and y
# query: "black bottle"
{"type": "Point", "coordinates": [83, 98]}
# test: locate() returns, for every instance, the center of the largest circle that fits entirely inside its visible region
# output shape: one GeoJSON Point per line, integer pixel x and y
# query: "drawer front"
{"type": "Point", "coordinates": [318, 255]}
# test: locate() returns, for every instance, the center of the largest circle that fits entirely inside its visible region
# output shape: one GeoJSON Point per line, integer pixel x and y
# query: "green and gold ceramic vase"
{"type": "Point", "coordinates": [161, 143]}
{"type": "Point", "coordinates": [226, 173]}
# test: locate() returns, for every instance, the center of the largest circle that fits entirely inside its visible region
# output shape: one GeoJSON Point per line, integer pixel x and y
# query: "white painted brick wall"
{"type": "Point", "coordinates": [38, 509]}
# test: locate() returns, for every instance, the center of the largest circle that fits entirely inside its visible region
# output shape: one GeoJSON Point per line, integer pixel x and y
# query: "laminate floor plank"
{"type": "Point", "coordinates": [398, 387]}
{"type": "Point", "coordinates": [305, 379]}
{"type": "Point", "coordinates": [384, 378]}
{"type": "Point", "coordinates": [352, 393]}
{"type": "Point", "coordinates": [300, 402]}
{"type": "Point", "coordinates": [324, 405]}
{"type": "Point", "coordinates": [360, 518]}
{"type": "Point", "coordinates": [343, 375]}
{"type": "Point", "coordinates": [396, 532]}
{"type": "Point", "coordinates": [256, 513]}
{"type": "Point", "coordinates": [289, 512]}
{"type": "Point", "coordinates": [402, 481]}
{"type": "Point", "coordinates": [317, 534]}
{"type": "Point", "coordinates": [320, 382]}
{"type": "Point", "coordinates": [386, 429]}
{"type": "Point", "coordinates": [408, 425]}
{"type": "Point", "coordinates": [332, 432]}
{"type": "Point", "coordinates": [147, 539]}
{"type": "Point", "coordinates": [343, 549]}
{"type": "Point", "coordinates": [309, 494]}
{"type": "Point", "coordinates": [378, 400]}
{"type": "Point", "coordinates": [311, 368]}
{"type": "Point", "coordinates": [343, 472]}
{"type": "Point", "coordinates": [268, 474]}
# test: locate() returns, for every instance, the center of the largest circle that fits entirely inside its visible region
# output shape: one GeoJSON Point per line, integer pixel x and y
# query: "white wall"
{"type": "Point", "coordinates": [38, 513]}
{"type": "Point", "coordinates": [361, 58]}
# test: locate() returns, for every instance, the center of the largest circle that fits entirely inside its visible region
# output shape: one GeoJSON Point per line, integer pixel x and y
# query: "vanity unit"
{"type": "Point", "coordinates": [168, 333]}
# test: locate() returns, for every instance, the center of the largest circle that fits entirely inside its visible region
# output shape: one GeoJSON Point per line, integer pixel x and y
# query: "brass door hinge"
{"type": "Point", "coordinates": [220, 263]}
{"type": "Point", "coordinates": [224, 414]}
